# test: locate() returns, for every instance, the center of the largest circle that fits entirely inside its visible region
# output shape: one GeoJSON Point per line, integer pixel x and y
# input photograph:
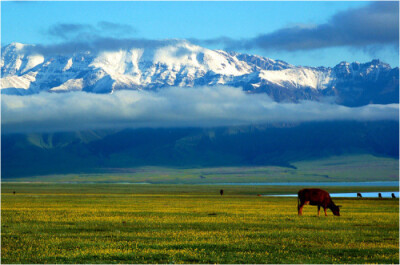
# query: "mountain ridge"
{"type": "Point", "coordinates": [25, 71]}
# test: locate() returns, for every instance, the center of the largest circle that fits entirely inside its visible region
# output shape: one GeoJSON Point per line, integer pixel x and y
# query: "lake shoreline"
{"type": "Point", "coordinates": [374, 194]}
{"type": "Point", "coordinates": [311, 184]}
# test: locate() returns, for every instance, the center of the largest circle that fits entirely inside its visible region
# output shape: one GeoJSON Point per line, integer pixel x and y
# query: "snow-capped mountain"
{"type": "Point", "coordinates": [25, 71]}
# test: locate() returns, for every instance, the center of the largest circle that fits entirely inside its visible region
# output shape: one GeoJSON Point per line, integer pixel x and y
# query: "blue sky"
{"type": "Point", "coordinates": [250, 27]}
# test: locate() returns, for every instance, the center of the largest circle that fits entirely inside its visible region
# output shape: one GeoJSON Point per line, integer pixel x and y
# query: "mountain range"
{"type": "Point", "coordinates": [25, 70]}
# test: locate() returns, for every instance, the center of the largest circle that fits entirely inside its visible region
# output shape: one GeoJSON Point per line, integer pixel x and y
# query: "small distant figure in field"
{"type": "Point", "coordinates": [380, 195]}
{"type": "Point", "coordinates": [393, 196]}
{"type": "Point", "coordinates": [221, 192]}
{"type": "Point", "coordinates": [359, 195]}
{"type": "Point", "coordinates": [259, 195]}
{"type": "Point", "coordinates": [316, 197]}
{"type": "Point", "coordinates": [14, 192]}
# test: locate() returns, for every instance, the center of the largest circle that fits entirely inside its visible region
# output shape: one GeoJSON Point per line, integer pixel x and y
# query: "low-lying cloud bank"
{"type": "Point", "coordinates": [68, 31]}
{"type": "Point", "coordinates": [373, 25]}
{"type": "Point", "coordinates": [171, 107]}
{"type": "Point", "coordinates": [96, 44]}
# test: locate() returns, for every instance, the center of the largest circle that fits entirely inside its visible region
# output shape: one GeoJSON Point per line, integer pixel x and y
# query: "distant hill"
{"type": "Point", "coordinates": [274, 144]}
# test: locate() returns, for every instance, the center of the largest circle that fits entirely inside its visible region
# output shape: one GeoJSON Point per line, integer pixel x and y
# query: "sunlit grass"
{"type": "Point", "coordinates": [148, 225]}
{"type": "Point", "coordinates": [341, 168]}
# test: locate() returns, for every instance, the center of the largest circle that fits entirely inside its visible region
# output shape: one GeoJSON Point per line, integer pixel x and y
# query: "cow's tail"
{"type": "Point", "coordinates": [299, 194]}
{"type": "Point", "coordinates": [298, 203]}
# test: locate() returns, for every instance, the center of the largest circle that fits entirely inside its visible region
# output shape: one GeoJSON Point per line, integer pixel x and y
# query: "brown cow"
{"type": "Point", "coordinates": [316, 197]}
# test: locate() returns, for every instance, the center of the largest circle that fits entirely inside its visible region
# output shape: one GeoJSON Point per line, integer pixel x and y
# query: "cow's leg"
{"type": "Point", "coordinates": [300, 208]}
{"type": "Point", "coordinates": [325, 211]}
{"type": "Point", "coordinates": [319, 209]}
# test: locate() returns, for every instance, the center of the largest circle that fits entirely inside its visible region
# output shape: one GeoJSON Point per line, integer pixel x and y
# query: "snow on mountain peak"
{"type": "Point", "coordinates": [16, 46]}
{"type": "Point", "coordinates": [176, 63]}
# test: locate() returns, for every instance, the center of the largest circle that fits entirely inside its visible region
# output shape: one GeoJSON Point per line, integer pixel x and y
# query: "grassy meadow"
{"type": "Point", "coordinates": [332, 169]}
{"type": "Point", "coordinates": [110, 223]}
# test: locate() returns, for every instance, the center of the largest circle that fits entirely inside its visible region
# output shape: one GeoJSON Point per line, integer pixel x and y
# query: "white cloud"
{"type": "Point", "coordinates": [171, 107]}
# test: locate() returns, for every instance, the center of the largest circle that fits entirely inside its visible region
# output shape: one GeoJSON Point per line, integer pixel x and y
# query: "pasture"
{"type": "Point", "coordinates": [332, 169]}
{"type": "Point", "coordinates": [110, 223]}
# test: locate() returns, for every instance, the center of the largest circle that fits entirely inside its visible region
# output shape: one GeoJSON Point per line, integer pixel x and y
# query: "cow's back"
{"type": "Point", "coordinates": [314, 196]}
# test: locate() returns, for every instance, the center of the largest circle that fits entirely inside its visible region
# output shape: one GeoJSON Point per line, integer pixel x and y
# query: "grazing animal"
{"type": "Point", "coordinates": [14, 192]}
{"type": "Point", "coordinates": [380, 195]}
{"type": "Point", "coordinates": [393, 196]}
{"type": "Point", "coordinates": [359, 195]}
{"type": "Point", "coordinates": [316, 197]}
{"type": "Point", "coordinates": [221, 192]}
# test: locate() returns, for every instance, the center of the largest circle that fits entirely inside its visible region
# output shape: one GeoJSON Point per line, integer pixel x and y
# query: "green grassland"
{"type": "Point", "coordinates": [332, 169]}
{"type": "Point", "coordinates": [110, 223]}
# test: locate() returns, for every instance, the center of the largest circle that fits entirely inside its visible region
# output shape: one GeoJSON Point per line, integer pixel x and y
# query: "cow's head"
{"type": "Point", "coordinates": [336, 209]}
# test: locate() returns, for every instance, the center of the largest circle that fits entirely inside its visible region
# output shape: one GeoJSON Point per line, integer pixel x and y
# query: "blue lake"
{"type": "Point", "coordinates": [385, 194]}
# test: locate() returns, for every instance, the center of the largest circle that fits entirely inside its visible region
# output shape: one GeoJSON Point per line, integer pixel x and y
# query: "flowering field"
{"type": "Point", "coordinates": [64, 223]}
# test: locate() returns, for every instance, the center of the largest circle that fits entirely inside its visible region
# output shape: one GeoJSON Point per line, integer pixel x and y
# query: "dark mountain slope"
{"type": "Point", "coordinates": [234, 146]}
